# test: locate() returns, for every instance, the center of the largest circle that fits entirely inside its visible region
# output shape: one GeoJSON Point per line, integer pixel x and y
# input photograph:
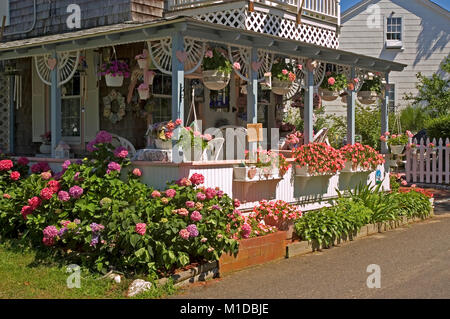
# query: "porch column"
{"type": "Point", "coordinates": [55, 107]}
{"type": "Point", "coordinates": [351, 101]}
{"type": "Point", "coordinates": [177, 78]}
{"type": "Point", "coordinates": [385, 115]}
{"type": "Point", "coordinates": [308, 136]}
{"type": "Point", "coordinates": [252, 97]}
{"type": "Point", "coordinates": [11, 115]}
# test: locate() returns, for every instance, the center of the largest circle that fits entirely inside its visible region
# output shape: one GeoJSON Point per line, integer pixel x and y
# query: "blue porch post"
{"type": "Point", "coordinates": [55, 107]}
{"type": "Point", "coordinates": [177, 78]}
{"type": "Point", "coordinates": [11, 115]}
{"type": "Point", "coordinates": [308, 136]}
{"type": "Point", "coordinates": [385, 115]}
{"type": "Point", "coordinates": [252, 98]}
{"type": "Point", "coordinates": [351, 101]}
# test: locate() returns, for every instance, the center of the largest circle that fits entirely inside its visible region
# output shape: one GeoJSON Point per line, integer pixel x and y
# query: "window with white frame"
{"type": "Point", "coordinates": [394, 32]}
{"type": "Point", "coordinates": [4, 12]}
{"type": "Point", "coordinates": [162, 94]}
{"type": "Point", "coordinates": [71, 110]}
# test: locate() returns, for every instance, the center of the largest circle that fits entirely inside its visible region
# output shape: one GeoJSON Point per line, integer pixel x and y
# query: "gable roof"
{"type": "Point", "coordinates": [363, 3]}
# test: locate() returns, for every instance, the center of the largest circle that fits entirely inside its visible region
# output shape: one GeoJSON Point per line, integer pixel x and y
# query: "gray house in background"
{"type": "Point", "coordinates": [413, 32]}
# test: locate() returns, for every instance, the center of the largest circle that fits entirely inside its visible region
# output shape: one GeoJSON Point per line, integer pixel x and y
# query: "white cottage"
{"type": "Point", "coordinates": [413, 32]}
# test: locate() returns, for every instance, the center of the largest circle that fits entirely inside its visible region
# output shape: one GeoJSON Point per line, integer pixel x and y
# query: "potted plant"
{"type": "Point", "coordinates": [396, 142]}
{"type": "Point", "coordinates": [332, 85]}
{"type": "Point", "coordinates": [370, 89]}
{"type": "Point", "coordinates": [316, 159]}
{"type": "Point", "coordinates": [194, 144]}
{"type": "Point", "coordinates": [162, 133]}
{"type": "Point", "coordinates": [279, 214]}
{"type": "Point", "coordinates": [360, 158]}
{"type": "Point", "coordinates": [216, 69]}
{"type": "Point", "coordinates": [142, 60]}
{"type": "Point", "coordinates": [283, 75]}
{"type": "Point", "coordinates": [144, 91]}
{"type": "Point", "coordinates": [114, 72]}
{"type": "Point", "coordinates": [264, 166]}
{"type": "Point", "coordinates": [46, 147]}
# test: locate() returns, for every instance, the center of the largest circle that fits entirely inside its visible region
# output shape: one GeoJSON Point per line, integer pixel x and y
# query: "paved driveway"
{"type": "Point", "coordinates": [414, 263]}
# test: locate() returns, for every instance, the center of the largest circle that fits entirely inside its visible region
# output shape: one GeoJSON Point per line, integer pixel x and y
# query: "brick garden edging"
{"type": "Point", "coordinates": [255, 251]}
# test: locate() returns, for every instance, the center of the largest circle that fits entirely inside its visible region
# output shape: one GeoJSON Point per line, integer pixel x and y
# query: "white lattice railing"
{"type": "Point", "coordinates": [329, 10]}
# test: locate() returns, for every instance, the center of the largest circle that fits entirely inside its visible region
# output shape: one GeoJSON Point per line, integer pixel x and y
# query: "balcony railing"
{"type": "Point", "coordinates": [328, 10]}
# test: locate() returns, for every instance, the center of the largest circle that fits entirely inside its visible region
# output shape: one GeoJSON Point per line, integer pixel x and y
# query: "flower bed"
{"type": "Point", "coordinates": [93, 215]}
{"type": "Point", "coordinates": [279, 214]}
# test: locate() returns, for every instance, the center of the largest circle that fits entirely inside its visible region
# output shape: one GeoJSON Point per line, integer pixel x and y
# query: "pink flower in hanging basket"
{"type": "Point", "coordinates": [284, 71]}
{"type": "Point", "coordinates": [209, 54]}
{"type": "Point", "coordinates": [331, 81]}
{"type": "Point", "coordinates": [237, 65]}
{"type": "Point", "coordinates": [143, 87]}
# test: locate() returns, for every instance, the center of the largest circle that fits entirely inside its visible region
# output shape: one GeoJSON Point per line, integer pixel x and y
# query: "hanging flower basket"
{"type": "Point", "coordinates": [114, 81]}
{"type": "Point", "coordinates": [281, 87]}
{"type": "Point", "coordinates": [144, 92]}
{"type": "Point", "coordinates": [367, 97]}
{"type": "Point", "coordinates": [328, 95]}
{"type": "Point", "coordinates": [143, 64]}
{"type": "Point", "coordinates": [216, 80]}
{"type": "Point", "coordinates": [397, 149]}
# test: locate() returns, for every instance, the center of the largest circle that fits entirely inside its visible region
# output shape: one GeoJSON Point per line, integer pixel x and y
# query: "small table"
{"type": "Point", "coordinates": [153, 155]}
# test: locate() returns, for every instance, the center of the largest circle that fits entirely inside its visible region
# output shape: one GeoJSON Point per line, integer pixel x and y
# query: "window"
{"type": "Point", "coordinates": [162, 98]}
{"type": "Point", "coordinates": [394, 32]}
{"type": "Point", "coordinates": [4, 11]}
{"type": "Point", "coordinates": [71, 110]}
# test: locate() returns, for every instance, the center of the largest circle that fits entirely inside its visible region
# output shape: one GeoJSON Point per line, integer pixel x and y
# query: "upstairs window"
{"type": "Point", "coordinates": [394, 33]}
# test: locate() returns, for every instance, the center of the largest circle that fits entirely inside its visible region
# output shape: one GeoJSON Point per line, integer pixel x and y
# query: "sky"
{"type": "Point", "coordinates": [345, 4]}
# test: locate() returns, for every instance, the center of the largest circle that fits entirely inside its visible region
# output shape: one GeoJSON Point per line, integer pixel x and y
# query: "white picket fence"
{"type": "Point", "coordinates": [426, 164]}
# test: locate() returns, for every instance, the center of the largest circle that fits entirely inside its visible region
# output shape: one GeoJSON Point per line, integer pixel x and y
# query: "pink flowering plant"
{"type": "Point", "coordinates": [319, 158]}
{"type": "Point", "coordinates": [362, 156]}
{"type": "Point", "coordinates": [277, 213]}
{"type": "Point", "coordinates": [394, 139]}
{"type": "Point", "coordinates": [115, 68]}
{"type": "Point", "coordinates": [215, 59]}
{"type": "Point", "coordinates": [334, 82]}
{"type": "Point", "coordinates": [164, 130]}
{"type": "Point", "coordinates": [283, 71]}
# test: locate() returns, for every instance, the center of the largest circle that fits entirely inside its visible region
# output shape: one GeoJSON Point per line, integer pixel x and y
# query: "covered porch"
{"type": "Point", "coordinates": [176, 49]}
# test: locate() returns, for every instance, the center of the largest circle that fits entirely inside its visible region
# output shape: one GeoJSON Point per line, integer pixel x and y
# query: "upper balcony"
{"type": "Point", "coordinates": [310, 21]}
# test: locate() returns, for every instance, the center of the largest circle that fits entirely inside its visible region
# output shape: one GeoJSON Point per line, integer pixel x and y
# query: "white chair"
{"type": "Point", "coordinates": [214, 148]}
{"type": "Point", "coordinates": [321, 136]}
{"type": "Point", "coordinates": [121, 141]}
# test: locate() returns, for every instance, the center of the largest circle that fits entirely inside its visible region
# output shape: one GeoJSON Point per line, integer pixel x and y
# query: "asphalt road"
{"type": "Point", "coordinates": [414, 262]}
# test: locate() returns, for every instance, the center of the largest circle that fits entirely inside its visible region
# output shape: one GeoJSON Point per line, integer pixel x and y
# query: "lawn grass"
{"type": "Point", "coordinates": [22, 277]}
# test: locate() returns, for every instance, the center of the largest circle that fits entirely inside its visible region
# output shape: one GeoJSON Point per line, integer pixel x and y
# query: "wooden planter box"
{"type": "Point", "coordinates": [287, 226]}
{"type": "Point", "coordinates": [255, 251]}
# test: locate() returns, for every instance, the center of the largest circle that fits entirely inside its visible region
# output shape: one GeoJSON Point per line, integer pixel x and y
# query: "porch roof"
{"type": "Point", "coordinates": [136, 32]}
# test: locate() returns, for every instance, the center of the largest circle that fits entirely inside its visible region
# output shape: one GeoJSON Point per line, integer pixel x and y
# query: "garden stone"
{"type": "Point", "coordinates": [138, 286]}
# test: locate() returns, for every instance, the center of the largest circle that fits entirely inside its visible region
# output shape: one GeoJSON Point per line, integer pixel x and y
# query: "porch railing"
{"type": "Point", "coordinates": [330, 9]}
{"type": "Point", "coordinates": [428, 163]}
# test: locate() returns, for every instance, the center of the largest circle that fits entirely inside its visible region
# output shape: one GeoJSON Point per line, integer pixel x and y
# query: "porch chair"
{"type": "Point", "coordinates": [321, 137]}
{"type": "Point", "coordinates": [121, 141]}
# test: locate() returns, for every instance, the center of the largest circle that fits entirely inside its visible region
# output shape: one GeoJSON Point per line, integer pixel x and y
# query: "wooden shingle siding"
{"type": "Point", "coordinates": [52, 15]}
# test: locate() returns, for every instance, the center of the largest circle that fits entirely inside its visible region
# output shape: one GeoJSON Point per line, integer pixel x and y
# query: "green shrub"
{"type": "Point", "coordinates": [439, 127]}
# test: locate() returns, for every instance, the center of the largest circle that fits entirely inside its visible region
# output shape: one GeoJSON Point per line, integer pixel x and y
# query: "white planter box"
{"type": "Point", "coordinates": [253, 174]}
{"type": "Point", "coordinates": [348, 168]}
{"type": "Point", "coordinates": [303, 172]}
{"type": "Point", "coordinates": [114, 81]}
